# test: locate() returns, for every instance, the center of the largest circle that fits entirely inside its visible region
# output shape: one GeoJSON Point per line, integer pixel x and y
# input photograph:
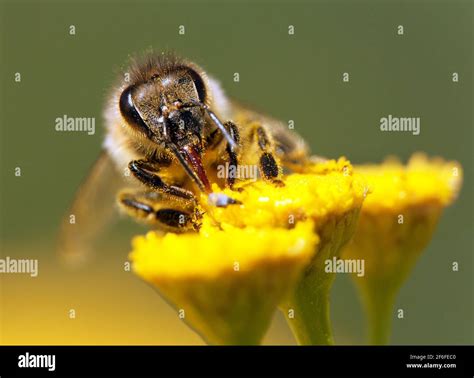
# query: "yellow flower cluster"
{"type": "Point", "coordinates": [230, 277]}
{"type": "Point", "coordinates": [269, 250]}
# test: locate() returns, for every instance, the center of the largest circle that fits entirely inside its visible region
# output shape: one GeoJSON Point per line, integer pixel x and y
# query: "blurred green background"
{"type": "Point", "coordinates": [296, 77]}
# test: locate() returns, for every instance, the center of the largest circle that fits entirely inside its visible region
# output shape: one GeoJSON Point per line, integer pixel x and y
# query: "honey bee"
{"type": "Point", "coordinates": [168, 127]}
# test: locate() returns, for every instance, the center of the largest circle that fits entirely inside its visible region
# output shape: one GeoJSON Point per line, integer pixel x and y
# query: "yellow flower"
{"type": "Point", "coordinates": [229, 278]}
{"type": "Point", "coordinates": [396, 223]}
{"type": "Point", "coordinates": [327, 190]}
{"type": "Point", "coordinates": [422, 182]}
{"type": "Point", "coordinates": [226, 283]}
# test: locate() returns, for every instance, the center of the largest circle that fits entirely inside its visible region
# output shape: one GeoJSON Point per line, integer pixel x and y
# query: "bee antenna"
{"type": "Point", "coordinates": [220, 126]}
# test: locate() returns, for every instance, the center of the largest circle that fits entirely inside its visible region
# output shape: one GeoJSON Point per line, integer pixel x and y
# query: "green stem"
{"type": "Point", "coordinates": [309, 302]}
{"type": "Point", "coordinates": [379, 299]}
{"type": "Point", "coordinates": [379, 304]}
{"type": "Point", "coordinates": [311, 322]}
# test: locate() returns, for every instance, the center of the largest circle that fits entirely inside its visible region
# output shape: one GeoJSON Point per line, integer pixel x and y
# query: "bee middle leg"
{"type": "Point", "coordinates": [232, 154]}
{"type": "Point", "coordinates": [160, 210]}
{"type": "Point", "coordinates": [147, 172]}
{"type": "Point", "coordinates": [214, 141]}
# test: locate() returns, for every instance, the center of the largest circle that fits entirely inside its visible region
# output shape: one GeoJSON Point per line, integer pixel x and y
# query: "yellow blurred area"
{"type": "Point", "coordinates": [112, 306]}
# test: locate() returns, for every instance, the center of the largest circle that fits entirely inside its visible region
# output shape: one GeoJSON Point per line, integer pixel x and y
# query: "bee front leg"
{"type": "Point", "coordinates": [269, 168]}
{"type": "Point", "coordinates": [156, 210]}
{"type": "Point", "coordinates": [146, 172]}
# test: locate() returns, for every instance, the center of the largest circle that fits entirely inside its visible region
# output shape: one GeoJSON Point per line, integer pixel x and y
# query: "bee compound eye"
{"type": "Point", "coordinates": [197, 80]}
{"type": "Point", "coordinates": [200, 86]}
{"type": "Point", "coordinates": [130, 112]}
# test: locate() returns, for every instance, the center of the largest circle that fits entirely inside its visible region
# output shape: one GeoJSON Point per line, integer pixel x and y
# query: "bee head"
{"type": "Point", "coordinates": [170, 107]}
{"type": "Point", "coordinates": [168, 103]}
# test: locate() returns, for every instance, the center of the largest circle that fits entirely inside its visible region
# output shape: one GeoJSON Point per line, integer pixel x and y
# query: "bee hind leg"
{"type": "Point", "coordinates": [156, 210]}
{"type": "Point", "coordinates": [269, 168]}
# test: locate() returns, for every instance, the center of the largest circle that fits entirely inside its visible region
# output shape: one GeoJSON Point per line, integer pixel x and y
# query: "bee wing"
{"type": "Point", "coordinates": [92, 210]}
